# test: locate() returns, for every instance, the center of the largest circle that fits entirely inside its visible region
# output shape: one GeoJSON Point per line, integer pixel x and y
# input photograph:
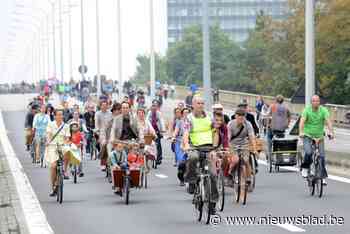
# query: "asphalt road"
{"type": "Point", "coordinates": [90, 206]}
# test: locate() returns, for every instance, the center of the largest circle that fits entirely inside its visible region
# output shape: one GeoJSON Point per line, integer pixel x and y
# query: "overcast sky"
{"type": "Point", "coordinates": [135, 35]}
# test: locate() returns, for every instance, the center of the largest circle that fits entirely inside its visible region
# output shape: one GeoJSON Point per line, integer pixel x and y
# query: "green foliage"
{"type": "Point", "coordinates": [271, 61]}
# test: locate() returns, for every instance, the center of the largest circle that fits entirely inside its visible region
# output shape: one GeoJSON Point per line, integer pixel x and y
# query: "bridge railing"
{"type": "Point", "coordinates": [231, 99]}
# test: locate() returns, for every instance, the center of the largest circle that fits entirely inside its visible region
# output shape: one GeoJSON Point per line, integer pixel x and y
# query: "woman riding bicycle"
{"type": "Point", "coordinates": [58, 134]}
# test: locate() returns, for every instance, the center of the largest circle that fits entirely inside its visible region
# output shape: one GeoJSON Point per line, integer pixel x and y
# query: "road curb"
{"type": "Point", "coordinates": [34, 217]}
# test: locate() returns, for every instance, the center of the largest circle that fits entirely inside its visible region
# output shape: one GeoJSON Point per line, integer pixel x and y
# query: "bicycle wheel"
{"type": "Point", "coordinates": [237, 183]}
{"type": "Point", "coordinates": [126, 189]}
{"type": "Point", "coordinates": [75, 172]}
{"type": "Point", "coordinates": [198, 203]}
{"type": "Point", "coordinates": [318, 181]}
{"type": "Point", "coordinates": [221, 190]}
{"type": "Point", "coordinates": [244, 188]}
{"type": "Point", "coordinates": [60, 188]}
{"type": "Point", "coordinates": [270, 163]}
{"type": "Point", "coordinates": [109, 174]}
{"type": "Point", "coordinates": [252, 177]}
{"type": "Point", "coordinates": [145, 179]}
{"type": "Point", "coordinates": [311, 185]}
{"type": "Point", "coordinates": [207, 202]}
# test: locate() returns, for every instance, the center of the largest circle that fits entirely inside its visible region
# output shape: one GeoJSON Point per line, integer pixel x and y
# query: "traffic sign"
{"type": "Point", "coordinates": [83, 69]}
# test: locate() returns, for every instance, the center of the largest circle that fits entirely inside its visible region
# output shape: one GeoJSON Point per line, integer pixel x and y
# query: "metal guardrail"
{"type": "Point", "coordinates": [339, 113]}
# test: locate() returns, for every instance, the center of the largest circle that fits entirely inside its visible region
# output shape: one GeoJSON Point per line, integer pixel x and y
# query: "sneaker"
{"type": "Point", "coordinates": [304, 172]}
{"type": "Point", "coordinates": [53, 193]}
{"type": "Point", "coordinates": [324, 182]}
{"type": "Point", "coordinates": [81, 174]}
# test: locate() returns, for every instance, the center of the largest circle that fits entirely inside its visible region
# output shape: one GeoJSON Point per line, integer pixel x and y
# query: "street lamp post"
{"type": "Point", "coordinates": [70, 40]}
{"type": "Point", "coordinates": [53, 40]}
{"type": "Point", "coordinates": [119, 52]}
{"type": "Point", "coordinates": [61, 39]}
{"type": "Point", "coordinates": [152, 63]}
{"type": "Point", "coordinates": [82, 37]}
{"type": "Point", "coordinates": [98, 49]}
{"type": "Point", "coordinates": [206, 56]}
{"type": "Point", "coordinates": [309, 51]}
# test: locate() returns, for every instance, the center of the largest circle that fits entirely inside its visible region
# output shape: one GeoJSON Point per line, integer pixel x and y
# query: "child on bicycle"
{"type": "Point", "coordinates": [76, 139]}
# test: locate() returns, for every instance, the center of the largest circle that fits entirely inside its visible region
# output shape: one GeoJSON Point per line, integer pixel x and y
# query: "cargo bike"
{"type": "Point", "coordinates": [284, 152]}
{"type": "Point", "coordinates": [132, 172]}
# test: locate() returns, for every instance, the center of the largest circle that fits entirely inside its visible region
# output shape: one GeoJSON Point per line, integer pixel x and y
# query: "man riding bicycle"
{"type": "Point", "coordinates": [240, 135]}
{"type": "Point", "coordinates": [280, 119]}
{"type": "Point", "coordinates": [199, 133]}
{"type": "Point", "coordinates": [124, 128]}
{"type": "Point", "coordinates": [311, 127]}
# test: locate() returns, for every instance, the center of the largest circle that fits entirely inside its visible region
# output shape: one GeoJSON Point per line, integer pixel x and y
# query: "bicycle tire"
{"type": "Point", "coordinates": [253, 177]}
{"type": "Point", "coordinates": [198, 204]}
{"type": "Point", "coordinates": [126, 189]}
{"type": "Point", "coordinates": [146, 181]}
{"type": "Point", "coordinates": [207, 203]}
{"type": "Point", "coordinates": [245, 189]}
{"type": "Point", "coordinates": [221, 190]}
{"type": "Point", "coordinates": [318, 182]}
{"type": "Point", "coordinates": [237, 183]}
{"type": "Point", "coordinates": [61, 191]}
{"type": "Point", "coordinates": [311, 186]}
{"type": "Point", "coordinates": [75, 174]}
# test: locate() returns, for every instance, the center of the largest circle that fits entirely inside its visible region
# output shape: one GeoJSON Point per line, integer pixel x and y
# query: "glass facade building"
{"type": "Point", "coordinates": [236, 17]}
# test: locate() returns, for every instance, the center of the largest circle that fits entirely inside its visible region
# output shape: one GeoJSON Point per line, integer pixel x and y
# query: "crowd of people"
{"type": "Point", "coordinates": [108, 121]}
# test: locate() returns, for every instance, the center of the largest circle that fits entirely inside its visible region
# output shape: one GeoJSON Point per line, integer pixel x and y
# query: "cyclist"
{"type": "Point", "coordinates": [311, 126]}
{"type": "Point", "coordinates": [89, 118]}
{"type": "Point", "coordinates": [218, 108]}
{"type": "Point", "coordinates": [249, 117]}
{"type": "Point", "coordinates": [125, 126]}
{"type": "Point", "coordinates": [40, 122]}
{"type": "Point", "coordinates": [199, 133]}
{"type": "Point", "coordinates": [28, 125]}
{"type": "Point", "coordinates": [102, 118]}
{"type": "Point", "coordinates": [157, 121]}
{"type": "Point", "coordinates": [280, 119]}
{"type": "Point", "coordinates": [181, 156]}
{"type": "Point", "coordinates": [240, 134]}
{"type": "Point", "coordinates": [57, 132]}
{"type": "Point", "coordinates": [78, 136]}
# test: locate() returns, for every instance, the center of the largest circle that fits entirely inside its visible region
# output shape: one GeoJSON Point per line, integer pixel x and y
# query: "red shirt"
{"type": "Point", "coordinates": [76, 138]}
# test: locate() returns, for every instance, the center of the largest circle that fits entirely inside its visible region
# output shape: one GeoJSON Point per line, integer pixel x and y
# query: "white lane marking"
{"type": "Point", "coordinates": [161, 176]}
{"type": "Point", "coordinates": [338, 178]}
{"type": "Point", "coordinates": [290, 227]}
{"type": "Point", "coordinates": [35, 218]}
{"type": "Point", "coordinates": [331, 177]}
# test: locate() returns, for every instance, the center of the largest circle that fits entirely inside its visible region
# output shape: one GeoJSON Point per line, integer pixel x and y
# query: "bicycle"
{"type": "Point", "coordinates": [203, 186]}
{"type": "Point", "coordinates": [92, 146]}
{"type": "Point", "coordinates": [220, 179]}
{"type": "Point", "coordinates": [131, 178]}
{"type": "Point", "coordinates": [59, 174]}
{"type": "Point", "coordinates": [314, 178]}
{"type": "Point", "coordinates": [240, 184]}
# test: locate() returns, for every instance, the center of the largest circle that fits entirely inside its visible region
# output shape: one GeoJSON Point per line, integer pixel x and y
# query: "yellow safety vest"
{"type": "Point", "coordinates": [201, 133]}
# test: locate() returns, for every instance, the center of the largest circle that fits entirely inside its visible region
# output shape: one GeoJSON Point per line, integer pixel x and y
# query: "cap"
{"type": "Point", "coordinates": [243, 103]}
{"type": "Point", "coordinates": [218, 106]}
{"type": "Point", "coordinates": [240, 112]}
{"type": "Point", "coordinates": [155, 102]}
